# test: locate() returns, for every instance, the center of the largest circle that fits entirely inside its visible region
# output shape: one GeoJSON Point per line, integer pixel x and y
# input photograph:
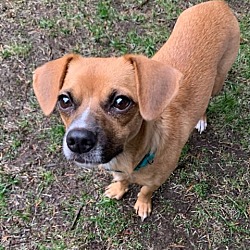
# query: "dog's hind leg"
{"type": "Point", "coordinates": [224, 66]}
{"type": "Point", "coordinates": [226, 61]}
{"type": "Point", "coordinates": [202, 124]}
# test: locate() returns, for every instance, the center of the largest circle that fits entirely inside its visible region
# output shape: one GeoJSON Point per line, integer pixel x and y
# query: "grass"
{"type": "Point", "coordinates": [6, 184]}
{"type": "Point", "coordinates": [15, 49]}
{"type": "Point", "coordinates": [47, 203]}
{"type": "Point", "coordinates": [55, 134]}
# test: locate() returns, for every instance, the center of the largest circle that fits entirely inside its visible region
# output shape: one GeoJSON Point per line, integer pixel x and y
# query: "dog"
{"type": "Point", "coordinates": [132, 114]}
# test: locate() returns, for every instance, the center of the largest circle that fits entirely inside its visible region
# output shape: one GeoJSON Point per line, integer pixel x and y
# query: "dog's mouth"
{"type": "Point", "coordinates": [87, 162]}
{"type": "Point", "coordinates": [94, 161]}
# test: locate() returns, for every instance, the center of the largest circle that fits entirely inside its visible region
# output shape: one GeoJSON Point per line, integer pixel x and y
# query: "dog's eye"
{"type": "Point", "coordinates": [121, 103]}
{"type": "Point", "coordinates": [64, 102]}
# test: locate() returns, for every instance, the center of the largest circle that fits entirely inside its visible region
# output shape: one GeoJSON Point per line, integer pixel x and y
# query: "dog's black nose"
{"type": "Point", "coordinates": [81, 140]}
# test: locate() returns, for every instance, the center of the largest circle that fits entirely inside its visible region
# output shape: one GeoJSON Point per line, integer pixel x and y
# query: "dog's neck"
{"type": "Point", "coordinates": [148, 140]}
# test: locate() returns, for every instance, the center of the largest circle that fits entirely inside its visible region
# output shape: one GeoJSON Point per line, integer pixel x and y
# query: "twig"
{"type": "Point", "coordinates": [73, 225]}
{"type": "Point", "coordinates": [143, 3]}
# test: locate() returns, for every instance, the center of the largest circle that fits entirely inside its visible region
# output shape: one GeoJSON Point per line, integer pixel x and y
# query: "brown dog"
{"type": "Point", "coordinates": [133, 114]}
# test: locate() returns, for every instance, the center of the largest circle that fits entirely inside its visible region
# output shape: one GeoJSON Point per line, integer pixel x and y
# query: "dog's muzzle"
{"type": "Point", "coordinates": [89, 148]}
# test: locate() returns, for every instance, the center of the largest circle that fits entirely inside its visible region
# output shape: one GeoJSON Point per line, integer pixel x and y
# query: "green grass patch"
{"type": "Point", "coordinates": [202, 189]}
{"type": "Point", "coordinates": [55, 245]}
{"type": "Point", "coordinates": [6, 183]}
{"type": "Point", "coordinates": [47, 177]}
{"type": "Point", "coordinates": [171, 8]}
{"type": "Point", "coordinates": [109, 226]}
{"type": "Point", "coordinates": [46, 23]}
{"type": "Point", "coordinates": [15, 49]}
{"type": "Point", "coordinates": [55, 133]}
{"type": "Point", "coordinates": [227, 105]}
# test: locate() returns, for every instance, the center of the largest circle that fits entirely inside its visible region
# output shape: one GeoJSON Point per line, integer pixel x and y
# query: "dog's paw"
{"type": "Point", "coordinates": [143, 209]}
{"type": "Point", "coordinates": [201, 125]}
{"type": "Point", "coordinates": [116, 190]}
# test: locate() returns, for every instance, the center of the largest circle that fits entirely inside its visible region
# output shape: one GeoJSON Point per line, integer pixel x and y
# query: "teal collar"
{"type": "Point", "coordinates": [148, 159]}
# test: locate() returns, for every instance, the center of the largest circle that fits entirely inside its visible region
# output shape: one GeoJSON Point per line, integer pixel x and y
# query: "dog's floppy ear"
{"type": "Point", "coordinates": [157, 84]}
{"type": "Point", "coordinates": [48, 80]}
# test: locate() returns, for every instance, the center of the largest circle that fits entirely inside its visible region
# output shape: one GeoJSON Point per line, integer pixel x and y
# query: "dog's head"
{"type": "Point", "coordinates": [103, 101]}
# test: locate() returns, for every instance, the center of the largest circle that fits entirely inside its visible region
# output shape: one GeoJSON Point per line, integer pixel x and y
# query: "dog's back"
{"type": "Point", "coordinates": [204, 50]}
{"type": "Point", "coordinates": [208, 27]}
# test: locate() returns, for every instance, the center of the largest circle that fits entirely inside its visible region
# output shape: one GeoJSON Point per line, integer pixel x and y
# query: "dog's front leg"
{"type": "Point", "coordinates": [143, 205]}
{"type": "Point", "coordinates": [117, 189]}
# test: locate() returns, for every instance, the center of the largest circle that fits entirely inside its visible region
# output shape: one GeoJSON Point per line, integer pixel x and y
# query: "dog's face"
{"type": "Point", "coordinates": [99, 109]}
{"type": "Point", "coordinates": [103, 101]}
